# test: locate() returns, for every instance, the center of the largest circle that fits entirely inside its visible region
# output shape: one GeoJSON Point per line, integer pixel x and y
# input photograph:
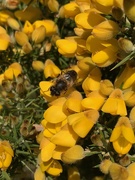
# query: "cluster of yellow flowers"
{"type": "Point", "coordinates": [72, 116]}
{"type": "Point", "coordinates": [103, 37]}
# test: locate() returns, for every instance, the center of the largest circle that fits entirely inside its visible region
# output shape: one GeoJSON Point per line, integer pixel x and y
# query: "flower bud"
{"type": "Point", "coordinates": [38, 34]}
{"type": "Point", "coordinates": [6, 85]}
{"type": "Point", "coordinates": [4, 15]}
{"type": "Point", "coordinates": [38, 65]}
{"type": "Point", "coordinates": [129, 7]}
{"type": "Point", "coordinates": [19, 88]}
{"type": "Point", "coordinates": [27, 48]}
{"type": "Point", "coordinates": [96, 139]}
{"type": "Point", "coordinates": [21, 38]}
{"type": "Point", "coordinates": [124, 160]}
{"type": "Point", "coordinates": [53, 5]}
{"type": "Point", "coordinates": [13, 23]}
{"type": "Point", "coordinates": [126, 45]}
{"type": "Point", "coordinates": [117, 13]}
{"type": "Point", "coordinates": [4, 41]}
{"type": "Point", "coordinates": [28, 28]}
{"type": "Point", "coordinates": [24, 131]}
{"type": "Point", "coordinates": [105, 165]}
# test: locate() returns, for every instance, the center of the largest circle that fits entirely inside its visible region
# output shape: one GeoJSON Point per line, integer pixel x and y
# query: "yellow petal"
{"type": "Point", "coordinates": [73, 105]}
{"type": "Point", "coordinates": [45, 165]}
{"type": "Point", "coordinates": [85, 64]}
{"type": "Point", "coordinates": [82, 20]}
{"type": "Point", "coordinates": [59, 114]}
{"type": "Point", "coordinates": [92, 82]}
{"type": "Point", "coordinates": [110, 106]}
{"type": "Point", "coordinates": [122, 146]}
{"type": "Point", "coordinates": [94, 101]}
{"type": "Point", "coordinates": [55, 168]}
{"type": "Point", "coordinates": [104, 55]}
{"type": "Point", "coordinates": [45, 87]}
{"type": "Point", "coordinates": [105, 30]}
{"type": "Point", "coordinates": [39, 174]}
{"type": "Point", "coordinates": [4, 15]}
{"type": "Point", "coordinates": [51, 70]}
{"type": "Point", "coordinates": [105, 3]}
{"type": "Point", "coordinates": [93, 44]}
{"type": "Point", "coordinates": [50, 26]}
{"type": "Point", "coordinates": [1, 164]}
{"type": "Point", "coordinates": [73, 154]}
{"type": "Point", "coordinates": [8, 160]}
{"type": "Point", "coordinates": [132, 114]}
{"type": "Point", "coordinates": [121, 108]}
{"type": "Point", "coordinates": [69, 141]}
{"type": "Point", "coordinates": [118, 172]}
{"type": "Point", "coordinates": [83, 122]}
{"type": "Point", "coordinates": [82, 126]}
{"type": "Point", "coordinates": [38, 35]}
{"type": "Point", "coordinates": [58, 151]}
{"type": "Point", "coordinates": [94, 18]}
{"type": "Point", "coordinates": [46, 152]}
{"type": "Point", "coordinates": [47, 133]}
{"type": "Point", "coordinates": [71, 9]}
{"type": "Point", "coordinates": [129, 9]}
{"type": "Point", "coordinates": [4, 41]}
{"type": "Point", "coordinates": [28, 28]}
{"type": "Point", "coordinates": [66, 47]}
{"type": "Point", "coordinates": [129, 98]}
{"type": "Point", "coordinates": [106, 87]}
{"type": "Point", "coordinates": [131, 168]}
{"type": "Point", "coordinates": [128, 134]}
{"type": "Point", "coordinates": [2, 30]}
{"type": "Point", "coordinates": [115, 134]}
{"type": "Point", "coordinates": [58, 102]}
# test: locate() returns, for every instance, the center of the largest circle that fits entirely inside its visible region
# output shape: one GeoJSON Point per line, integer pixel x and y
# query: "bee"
{"type": "Point", "coordinates": [63, 83]}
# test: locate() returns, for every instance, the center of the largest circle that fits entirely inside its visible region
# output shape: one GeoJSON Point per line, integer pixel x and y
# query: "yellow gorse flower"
{"type": "Point", "coordinates": [66, 47]}
{"type": "Point", "coordinates": [122, 136]}
{"type": "Point", "coordinates": [13, 71]}
{"type": "Point", "coordinates": [6, 154]}
{"type": "Point", "coordinates": [115, 104]}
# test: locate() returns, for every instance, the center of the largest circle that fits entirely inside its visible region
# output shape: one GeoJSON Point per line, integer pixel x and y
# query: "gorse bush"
{"type": "Point", "coordinates": [67, 89]}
